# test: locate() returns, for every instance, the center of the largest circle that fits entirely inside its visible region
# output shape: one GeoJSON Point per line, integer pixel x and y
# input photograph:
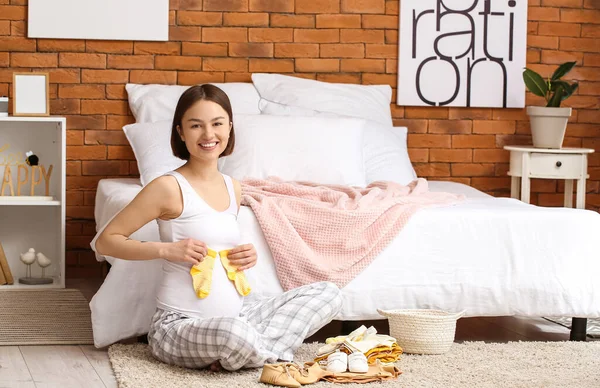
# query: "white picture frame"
{"type": "Point", "coordinates": [139, 20]}
{"type": "Point", "coordinates": [31, 94]}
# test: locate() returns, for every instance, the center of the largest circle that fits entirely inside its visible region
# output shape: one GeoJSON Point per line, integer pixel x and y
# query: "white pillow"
{"type": "Point", "coordinates": [386, 155]}
{"type": "Point", "coordinates": [151, 103]}
{"type": "Point", "coordinates": [286, 95]}
{"type": "Point", "coordinates": [317, 149]}
{"type": "Point", "coordinates": [385, 150]}
{"type": "Point", "coordinates": [151, 144]}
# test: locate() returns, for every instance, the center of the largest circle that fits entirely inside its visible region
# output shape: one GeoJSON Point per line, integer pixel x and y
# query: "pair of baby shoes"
{"type": "Point", "coordinates": [290, 374]}
{"type": "Point", "coordinates": [339, 362]}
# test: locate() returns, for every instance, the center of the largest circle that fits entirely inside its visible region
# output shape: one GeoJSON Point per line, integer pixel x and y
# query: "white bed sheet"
{"type": "Point", "coordinates": [487, 256]}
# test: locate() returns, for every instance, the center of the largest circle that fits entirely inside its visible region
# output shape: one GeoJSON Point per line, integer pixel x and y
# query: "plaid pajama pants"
{"type": "Point", "coordinates": [267, 330]}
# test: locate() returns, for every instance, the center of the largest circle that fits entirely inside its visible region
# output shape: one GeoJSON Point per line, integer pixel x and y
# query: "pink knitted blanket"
{"type": "Point", "coordinates": [331, 232]}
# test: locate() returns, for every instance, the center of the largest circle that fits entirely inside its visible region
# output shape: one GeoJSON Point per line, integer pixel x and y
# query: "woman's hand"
{"type": "Point", "coordinates": [186, 251]}
{"type": "Point", "coordinates": [243, 257]}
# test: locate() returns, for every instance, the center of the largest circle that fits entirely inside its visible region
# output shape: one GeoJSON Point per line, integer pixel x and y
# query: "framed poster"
{"type": "Point", "coordinates": [105, 19]}
{"type": "Point", "coordinates": [31, 94]}
{"type": "Point", "coordinates": [468, 53]}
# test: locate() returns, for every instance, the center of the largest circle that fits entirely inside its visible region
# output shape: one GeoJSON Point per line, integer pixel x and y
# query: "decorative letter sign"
{"type": "Point", "coordinates": [467, 53]}
{"type": "Point", "coordinates": [14, 172]}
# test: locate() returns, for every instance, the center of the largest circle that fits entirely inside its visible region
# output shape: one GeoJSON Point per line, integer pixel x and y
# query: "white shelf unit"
{"type": "Point", "coordinates": [34, 223]}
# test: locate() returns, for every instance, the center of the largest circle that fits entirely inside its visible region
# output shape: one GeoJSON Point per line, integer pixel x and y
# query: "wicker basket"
{"type": "Point", "coordinates": [422, 331]}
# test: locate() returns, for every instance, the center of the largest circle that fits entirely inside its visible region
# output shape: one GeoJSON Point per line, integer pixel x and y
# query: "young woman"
{"type": "Point", "coordinates": [196, 207]}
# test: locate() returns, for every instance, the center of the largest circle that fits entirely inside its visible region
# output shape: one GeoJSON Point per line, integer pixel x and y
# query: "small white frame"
{"type": "Point", "coordinates": [31, 94]}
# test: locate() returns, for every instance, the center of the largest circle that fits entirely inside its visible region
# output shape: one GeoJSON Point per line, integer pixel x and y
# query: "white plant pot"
{"type": "Point", "coordinates": [548, 125]}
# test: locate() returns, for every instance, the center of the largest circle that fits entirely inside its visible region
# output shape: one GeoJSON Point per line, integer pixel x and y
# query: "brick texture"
{"type": "Point", "coordinates": [351, 41]}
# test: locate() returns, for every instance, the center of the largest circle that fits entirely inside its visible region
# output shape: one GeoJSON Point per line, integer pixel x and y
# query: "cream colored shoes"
{"type": "Point", "coordinates": [309, 374]}
{"type": "Point", "coordinates": [290, 374]}
{"type": "Point", "coordinates": [278, 374]}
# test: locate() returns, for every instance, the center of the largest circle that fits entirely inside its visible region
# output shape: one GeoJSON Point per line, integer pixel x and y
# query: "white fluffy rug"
{"type": "Point", "coordinates": [470, 364]}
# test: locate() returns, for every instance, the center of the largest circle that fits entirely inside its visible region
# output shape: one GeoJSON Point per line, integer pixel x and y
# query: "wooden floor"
{"type": "Point", "coordinates": [86, 366]}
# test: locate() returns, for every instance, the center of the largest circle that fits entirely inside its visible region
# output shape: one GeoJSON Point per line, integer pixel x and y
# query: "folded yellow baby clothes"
{"type": "Point", "coordinates": [237, 277]}
{"type": "Point", "coordinates": [385, 354]}
{"type": "Point", "coordinates": [202, 274]}
{"type": "Point", "coordinates": [374, 346]}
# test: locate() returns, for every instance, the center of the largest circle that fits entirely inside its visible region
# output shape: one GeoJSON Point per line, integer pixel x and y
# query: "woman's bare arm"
{"type": "Point", "coordinates": [237, 188]}
{"type": "Point", "coordinates": [161, 198]}
{"type": "Point", "coordinates": [242, 256]}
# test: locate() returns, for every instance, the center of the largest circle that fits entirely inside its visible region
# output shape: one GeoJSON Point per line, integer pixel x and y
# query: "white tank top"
{"type": "Point", "coordinates": [219, 230]}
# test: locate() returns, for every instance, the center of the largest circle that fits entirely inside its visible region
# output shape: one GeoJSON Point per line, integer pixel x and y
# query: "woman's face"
{"type": "Point", "coordinates": [205, 129]}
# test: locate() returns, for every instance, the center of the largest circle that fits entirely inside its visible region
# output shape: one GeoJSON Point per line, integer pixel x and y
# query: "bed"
{"type": "Point", "coordinates": [488, 256]}
{"type": "Point", "coordinates": [485, 256]}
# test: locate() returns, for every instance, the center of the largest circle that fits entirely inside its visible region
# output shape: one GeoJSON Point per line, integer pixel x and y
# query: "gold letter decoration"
{"type": "Point", "coordinates": [7, 180]}
{"type": "Point", "coordinates": [21, 182]}
{"type": "Point", "coordinates": [47, 177]}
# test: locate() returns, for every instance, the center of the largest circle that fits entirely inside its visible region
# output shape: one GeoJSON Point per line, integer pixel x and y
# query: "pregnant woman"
{"type": "Point", "coordinates": [196, 208]}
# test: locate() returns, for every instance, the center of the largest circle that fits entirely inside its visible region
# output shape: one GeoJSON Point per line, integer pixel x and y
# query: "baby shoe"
{"type": "Point", "coordinates": [310, 373]}
{"type": "Point", "coordinates": [278, 374]}
{"type": "Point", "coordinates": [337, 362]}
{"type": "Point", "coordinates": [357, 363]}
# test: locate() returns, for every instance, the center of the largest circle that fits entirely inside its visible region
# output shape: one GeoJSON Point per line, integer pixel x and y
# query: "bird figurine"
{"type": "Point", "coordinates": [43, 262]}
{"type": "Point", "coordinates": [28, 258]}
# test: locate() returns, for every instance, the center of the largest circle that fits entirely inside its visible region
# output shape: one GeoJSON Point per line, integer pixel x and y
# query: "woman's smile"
{"type": "Point", "coordinates": [209, 146]}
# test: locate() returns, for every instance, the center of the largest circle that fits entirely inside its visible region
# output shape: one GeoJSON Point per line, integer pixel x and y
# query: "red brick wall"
{"type": "Point", "coordinates": [331, 40]}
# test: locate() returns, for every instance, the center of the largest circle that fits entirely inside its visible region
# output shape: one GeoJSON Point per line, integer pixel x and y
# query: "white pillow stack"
{"type": "Point", "coordinates": [290, 127]}
{"type": "Point", "coordinates": [385, 151]}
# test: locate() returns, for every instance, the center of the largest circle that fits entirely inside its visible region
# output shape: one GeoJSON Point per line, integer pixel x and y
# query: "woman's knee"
{"type": "Point", "coordinates": [332, 292]}
{"type": "Point", "coordinates": [329, 296]}
{"type": "Point", "coordinates": [234, 334]}
{"type": "Point", "coordinates": [238, 343]}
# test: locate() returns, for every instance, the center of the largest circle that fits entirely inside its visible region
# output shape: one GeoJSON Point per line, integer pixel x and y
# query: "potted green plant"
{"type": "Point", "coordinates": [548, 124]}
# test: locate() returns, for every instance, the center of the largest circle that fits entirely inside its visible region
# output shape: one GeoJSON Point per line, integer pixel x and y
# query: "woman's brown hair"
{"type": "Point", "coordinates": [192, 95]}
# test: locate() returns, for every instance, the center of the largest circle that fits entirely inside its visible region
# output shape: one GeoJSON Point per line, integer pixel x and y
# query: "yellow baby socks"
{"type": "Point", "coordinates": [239, 279]}
{"type": "Point", "coordinates": [202, 274]}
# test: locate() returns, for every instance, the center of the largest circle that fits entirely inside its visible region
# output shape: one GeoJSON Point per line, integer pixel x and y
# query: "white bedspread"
{"type": "Point", "coordinates": [487, 256]}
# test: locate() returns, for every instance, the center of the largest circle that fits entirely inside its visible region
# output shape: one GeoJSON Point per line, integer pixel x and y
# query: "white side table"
{"type": "Point", "coordinates": [569, 164]}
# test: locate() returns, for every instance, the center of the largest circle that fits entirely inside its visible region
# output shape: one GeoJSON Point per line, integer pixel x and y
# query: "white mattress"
{"type": "Point", "coordinates": [486, 256]}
